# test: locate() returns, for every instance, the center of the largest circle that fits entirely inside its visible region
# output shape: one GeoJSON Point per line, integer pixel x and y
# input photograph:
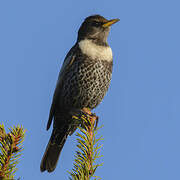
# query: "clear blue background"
{"type": "Point", "coordinates": [141, 112]}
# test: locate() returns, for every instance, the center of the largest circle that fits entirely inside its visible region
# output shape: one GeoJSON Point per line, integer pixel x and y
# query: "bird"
{"type": "Point", "coordinates": [82, 83]}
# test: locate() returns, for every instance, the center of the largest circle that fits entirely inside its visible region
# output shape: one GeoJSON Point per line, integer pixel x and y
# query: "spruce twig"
{"type": "Point", "coordinates": [10, 149]}
{"type": "Point", "coordinates": [84, 165]}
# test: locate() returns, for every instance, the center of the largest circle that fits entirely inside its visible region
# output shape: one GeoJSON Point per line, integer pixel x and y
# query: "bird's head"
{"type": "Point", "coordinates": [95, 28]}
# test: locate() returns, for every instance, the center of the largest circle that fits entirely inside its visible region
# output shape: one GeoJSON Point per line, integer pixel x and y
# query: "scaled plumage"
{"type": "Point", "coordinates": [83, 82]}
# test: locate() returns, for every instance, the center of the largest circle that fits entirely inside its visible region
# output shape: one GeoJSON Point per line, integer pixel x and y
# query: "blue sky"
{"type": "Point", "coordinates": [141, 112]}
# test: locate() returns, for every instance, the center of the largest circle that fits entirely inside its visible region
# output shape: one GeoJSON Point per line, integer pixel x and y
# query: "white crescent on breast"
{"type": "Point", "coordinates": [95, 51]}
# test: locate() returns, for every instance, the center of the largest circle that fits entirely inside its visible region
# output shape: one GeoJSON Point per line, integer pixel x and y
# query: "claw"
{"type": "Point", "coordinates": [87, 111]}
{"type": "Point", "coordinates": [84, 113]}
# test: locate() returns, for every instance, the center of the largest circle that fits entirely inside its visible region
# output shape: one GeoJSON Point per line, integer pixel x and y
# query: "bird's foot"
{"type": "Point", "coordinates": [80, 116]}
{"type": "Point", "coordinates": [87, 111]}
{"type": "Point", "coordinates": [91, 115]}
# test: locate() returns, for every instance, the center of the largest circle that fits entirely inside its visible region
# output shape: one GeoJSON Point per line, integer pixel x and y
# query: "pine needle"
{"type": "Point", "coordinates": [84, 166]}
{"type": "Point", "coordinates": [10, 149]}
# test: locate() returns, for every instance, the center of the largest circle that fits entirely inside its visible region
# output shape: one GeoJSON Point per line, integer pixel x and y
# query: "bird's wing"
{"type": "Point", "coordinates": [69, 59]}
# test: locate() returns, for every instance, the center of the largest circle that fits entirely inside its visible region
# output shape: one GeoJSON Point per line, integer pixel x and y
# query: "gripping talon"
{"type": "Point", "coordinates": [84, 114]}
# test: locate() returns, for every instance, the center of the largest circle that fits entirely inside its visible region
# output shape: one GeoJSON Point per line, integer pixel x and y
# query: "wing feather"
{"type": "Point", "coordinates": [68, 61]}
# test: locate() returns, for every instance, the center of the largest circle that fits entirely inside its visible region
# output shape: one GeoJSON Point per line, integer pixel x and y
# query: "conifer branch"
{"type": "Point", "coordinates": [84, 165]}
{"type": "Point", "coordinates": [10, 149]}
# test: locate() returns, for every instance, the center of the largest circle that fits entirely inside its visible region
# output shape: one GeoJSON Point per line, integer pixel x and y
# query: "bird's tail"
{"type": "Point", "coordinates": [53, 149]}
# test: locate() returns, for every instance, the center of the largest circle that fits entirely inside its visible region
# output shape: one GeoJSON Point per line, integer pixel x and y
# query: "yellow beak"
{"type": "Point", "coordinates": [110, 22]}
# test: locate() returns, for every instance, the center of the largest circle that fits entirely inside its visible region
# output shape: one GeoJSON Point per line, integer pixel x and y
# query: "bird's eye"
{"type": "Point", "coordinates": [95, 23]}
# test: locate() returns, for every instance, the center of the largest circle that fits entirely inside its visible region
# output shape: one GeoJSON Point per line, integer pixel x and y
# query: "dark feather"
{"type": "Point", "coordinates": [53, 149]}
{"type": "Point", "coordinates": [69, 59]}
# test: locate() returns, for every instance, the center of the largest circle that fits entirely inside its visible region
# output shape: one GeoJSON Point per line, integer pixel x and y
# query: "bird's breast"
{"type": "Point", "coordinates": [86, 83]}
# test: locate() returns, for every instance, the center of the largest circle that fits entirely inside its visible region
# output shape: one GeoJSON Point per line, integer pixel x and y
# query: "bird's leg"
{"type": "Point", "coordinates": [88, 112]}
{"type": "Point", "coordinates": [79, 115]}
